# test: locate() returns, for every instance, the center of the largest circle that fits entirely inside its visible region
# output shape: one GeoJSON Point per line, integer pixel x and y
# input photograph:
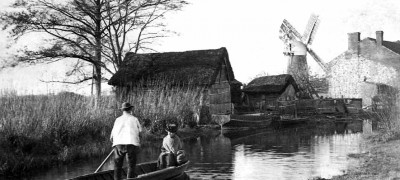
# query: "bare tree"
{"type": "Point", "coordinates": [98, 32]}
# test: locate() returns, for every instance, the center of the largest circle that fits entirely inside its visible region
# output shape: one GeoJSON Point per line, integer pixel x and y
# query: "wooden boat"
{"type": "Point", "coordinates": [145, 171]}
{"type": "Point", "coordinates": [289, 120]}
{"type": "Point", "coordinates": [248, 120]}
{"type": "Point", "coordinates": [234, 133]}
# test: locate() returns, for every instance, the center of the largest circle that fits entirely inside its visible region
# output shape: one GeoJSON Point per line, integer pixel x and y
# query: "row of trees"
{"type": "Point", "coordinates": [94, 32]}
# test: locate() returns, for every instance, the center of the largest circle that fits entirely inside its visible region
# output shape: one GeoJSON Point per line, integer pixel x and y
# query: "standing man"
{"type": "Point", "coordinates": [125, 141]}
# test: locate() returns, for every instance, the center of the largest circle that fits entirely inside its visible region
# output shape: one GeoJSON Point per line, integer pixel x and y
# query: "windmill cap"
{"type": "Point", "coordinates": [298, 48]}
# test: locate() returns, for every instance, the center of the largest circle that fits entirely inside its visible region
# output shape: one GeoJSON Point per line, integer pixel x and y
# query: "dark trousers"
{"type": "Point", "coordinates": [166, 160]}
{"type": "Point", "coordinates": [119, 153]}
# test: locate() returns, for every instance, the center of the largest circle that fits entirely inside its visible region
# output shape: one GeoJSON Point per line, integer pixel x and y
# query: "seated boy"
{"type": "Point", "coordinates": [172, 153]}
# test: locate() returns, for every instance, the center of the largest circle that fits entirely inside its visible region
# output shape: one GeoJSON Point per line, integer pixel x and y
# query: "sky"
{"type": "Point", "coordinates": [248, 29]}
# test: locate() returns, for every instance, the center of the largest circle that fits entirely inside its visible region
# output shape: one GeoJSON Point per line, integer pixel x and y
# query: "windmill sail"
{"type": "Point", "coordinates": [312, 36]}
{"type": "Point", "coordinates": [317, 59]}
{"type": "Point", "coordinates": [311, 27]}
{"type": "Point", "coordinates": [287, 28]}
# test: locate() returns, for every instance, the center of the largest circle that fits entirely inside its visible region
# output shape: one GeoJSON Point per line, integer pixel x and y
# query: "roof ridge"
{"type": "Point", "coordinates": [385, 44]}
{"type": "Point", "coordinates": [201, 65]}
{"type": "Point", "coordinates": [200, 50]}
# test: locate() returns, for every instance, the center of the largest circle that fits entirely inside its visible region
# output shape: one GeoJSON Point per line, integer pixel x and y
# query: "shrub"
{"type": "Point", "coordinates": [386, 112]}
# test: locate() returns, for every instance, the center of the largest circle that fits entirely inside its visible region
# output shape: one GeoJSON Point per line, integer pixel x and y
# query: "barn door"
{"type": "Point", "coordinates": [220, 99]}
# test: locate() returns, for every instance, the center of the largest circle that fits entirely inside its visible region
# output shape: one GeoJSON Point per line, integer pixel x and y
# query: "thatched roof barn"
{"type": "Point", "coordinates": [265, 91]}
{"type": "Point", "coordinates": [270, 84]}
{"type": "Point", "coordinates": [210, 69]}
{"type": "Point", "coordinates": [199, 67]}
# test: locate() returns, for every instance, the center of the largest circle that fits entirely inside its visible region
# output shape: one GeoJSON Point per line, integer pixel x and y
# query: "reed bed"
{"type": "Point", "coordinates": [40, 130]}
{"type": "Point", "coordinates": [159, 101]}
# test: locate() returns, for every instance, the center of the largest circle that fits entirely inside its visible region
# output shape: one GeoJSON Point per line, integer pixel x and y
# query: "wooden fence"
{"type": "Point", "coordinates": [318, 106]}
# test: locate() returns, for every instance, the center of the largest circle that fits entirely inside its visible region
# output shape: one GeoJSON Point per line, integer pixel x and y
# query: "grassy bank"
{"type": "Point", "coordinates": [37, 131]}
{"type": "Point", "coordinates": [382, 161]}
{"type": "Point", "coordinates": [382, 157]}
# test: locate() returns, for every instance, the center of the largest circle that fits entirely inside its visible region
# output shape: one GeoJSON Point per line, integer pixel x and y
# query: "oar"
{"type": "Point", "coordinates": [105, 160]}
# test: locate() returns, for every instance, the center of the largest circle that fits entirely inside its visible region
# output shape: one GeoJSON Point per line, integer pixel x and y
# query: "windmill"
{"type": "Point", "coordinates": [296, 48]}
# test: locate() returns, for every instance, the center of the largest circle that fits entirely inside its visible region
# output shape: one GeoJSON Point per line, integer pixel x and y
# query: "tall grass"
{"type": "Point", "coordinates": [159, 101]}
{"type": "Point", "coordinates": [40, 130]}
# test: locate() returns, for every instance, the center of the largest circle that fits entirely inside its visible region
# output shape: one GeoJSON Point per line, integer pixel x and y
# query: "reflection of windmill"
{"type": "Point", "coordinates": [296, 48]}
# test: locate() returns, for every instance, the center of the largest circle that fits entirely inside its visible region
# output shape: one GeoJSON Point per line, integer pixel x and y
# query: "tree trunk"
{"type": "Point", "coordinates": [97, 80]}
{"type": "Point", "coordinates": [97, 67]}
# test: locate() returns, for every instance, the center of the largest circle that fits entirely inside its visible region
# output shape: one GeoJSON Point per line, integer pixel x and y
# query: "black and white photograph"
{"type": "Point", "coordinates": [199, 90]}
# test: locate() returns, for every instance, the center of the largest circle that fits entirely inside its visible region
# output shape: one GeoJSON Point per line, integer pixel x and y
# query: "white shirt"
{"type": "Point", "coordinates": [126, 130]}
{"type": "Point", "coordinates": [172, 144]}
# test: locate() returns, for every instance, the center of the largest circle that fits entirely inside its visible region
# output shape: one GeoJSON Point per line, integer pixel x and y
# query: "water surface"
{"type": "Point", "coordinates": [290, 153]}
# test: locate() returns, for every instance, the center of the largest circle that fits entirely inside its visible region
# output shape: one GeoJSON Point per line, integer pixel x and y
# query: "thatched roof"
{"type": "Point", "coordinates": [270, 84]}
{"type": "Point", "coordinates": [195, 67]}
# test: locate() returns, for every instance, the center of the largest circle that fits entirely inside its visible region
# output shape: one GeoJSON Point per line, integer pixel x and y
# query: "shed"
{"type": "Point", "coordinates": [263, 92]}
{"type": "Point", "coordinates": [209, 69]}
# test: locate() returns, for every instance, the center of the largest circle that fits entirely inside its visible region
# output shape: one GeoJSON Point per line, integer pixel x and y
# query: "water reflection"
{"type": "Point", "coordinates": [299, 152]}
{"type": "Point", "coordinates": [322, 156]}
{"type": "Point", "coordinates": [291, 153]}
{"type": "Point", "coordinates": [211, 157]}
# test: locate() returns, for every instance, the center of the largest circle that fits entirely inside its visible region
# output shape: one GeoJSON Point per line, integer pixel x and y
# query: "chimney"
{"type": "Point", "coordinates": [354, 39]}
{"type": "Point", "coordinates": [379, 38]}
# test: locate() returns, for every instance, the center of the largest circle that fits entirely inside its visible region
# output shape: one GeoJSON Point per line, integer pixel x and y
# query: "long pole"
{"type": "Point", "coordinates": [91, 90]}
{"type": "Point", "coordinates": [105, 160]}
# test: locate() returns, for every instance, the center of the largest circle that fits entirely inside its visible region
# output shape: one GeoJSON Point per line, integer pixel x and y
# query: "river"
{"type": "Point", "coordinates": [299, 152]}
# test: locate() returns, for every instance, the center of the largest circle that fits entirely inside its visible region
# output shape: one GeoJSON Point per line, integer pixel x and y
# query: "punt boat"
{"type": "Point", "coordinates": [145, 171]}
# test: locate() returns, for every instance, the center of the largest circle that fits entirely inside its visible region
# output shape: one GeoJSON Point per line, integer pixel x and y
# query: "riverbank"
{"type": "Point", "coordinates": [380, 161]}
{"type": "Point", "coordinates": [19, 162]}
{"type": "Point", "coordinates": [40, 131]}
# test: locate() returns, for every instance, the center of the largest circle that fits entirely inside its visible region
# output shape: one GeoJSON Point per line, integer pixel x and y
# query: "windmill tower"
{"type": "Point", "coordinates": [296, 48]}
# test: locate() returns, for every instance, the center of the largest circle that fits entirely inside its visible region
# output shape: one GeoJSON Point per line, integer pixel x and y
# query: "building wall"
{"type": "Point", "coordinates": [356, 77]}
{"type": "Point", "coordinates": [288, 94]}
{"type": "Point", "coordinates": [220, 98]}
{"type": "Point", "coordinates": [261, 101]}
{"type": "Point", "coordinates": [265, 101]}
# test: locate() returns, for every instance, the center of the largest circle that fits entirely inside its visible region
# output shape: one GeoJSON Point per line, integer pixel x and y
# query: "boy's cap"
{"type": "Point", "coordinates": [172, 127]}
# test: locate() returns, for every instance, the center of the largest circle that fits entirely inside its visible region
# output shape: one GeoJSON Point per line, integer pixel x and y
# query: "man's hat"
{"type": "Point", "coordinates": [126, 106]}
{"type": "Point", "coordinates": [172, 127]}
